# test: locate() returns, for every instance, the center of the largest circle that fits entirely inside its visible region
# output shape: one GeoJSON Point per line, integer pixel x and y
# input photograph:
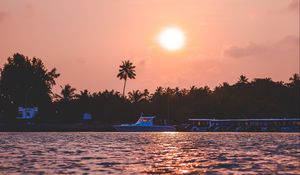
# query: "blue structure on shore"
{"type": "Point", "coordinates": [27, 113]}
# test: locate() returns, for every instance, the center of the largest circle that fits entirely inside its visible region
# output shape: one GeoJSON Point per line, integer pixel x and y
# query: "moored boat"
{"type": "Point", "coordinates": [144, 124]}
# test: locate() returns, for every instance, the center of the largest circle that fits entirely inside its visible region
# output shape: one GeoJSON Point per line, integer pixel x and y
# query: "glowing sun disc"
{"type": "Point", "coordinates": [172, 39]}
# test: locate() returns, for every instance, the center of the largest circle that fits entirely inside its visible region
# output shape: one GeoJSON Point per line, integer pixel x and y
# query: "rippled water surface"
{"type": "Point", "coordinates": [150, 153]}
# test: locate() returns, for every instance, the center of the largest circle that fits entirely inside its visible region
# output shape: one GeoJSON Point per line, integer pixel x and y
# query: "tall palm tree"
{"type": "Point", "coordinates": [126, 71]}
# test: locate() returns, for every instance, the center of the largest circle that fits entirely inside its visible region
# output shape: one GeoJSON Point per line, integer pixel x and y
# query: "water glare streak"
{"type": "Point", "coordinates": [149, 153]}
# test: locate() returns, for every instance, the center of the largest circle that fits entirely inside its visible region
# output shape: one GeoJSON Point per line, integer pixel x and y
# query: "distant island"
{"type": "Point", "coordinates": [26, 83]}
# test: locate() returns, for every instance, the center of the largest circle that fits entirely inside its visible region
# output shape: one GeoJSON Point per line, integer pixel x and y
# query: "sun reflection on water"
{"type": "Point", "coordinates": [169, 132]}
{"type": "Point", "coordinates": [149, 153]}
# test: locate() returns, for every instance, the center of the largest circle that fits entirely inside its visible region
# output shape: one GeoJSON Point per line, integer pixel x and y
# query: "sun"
{"type": "Point", "coordinates": [172, 38]}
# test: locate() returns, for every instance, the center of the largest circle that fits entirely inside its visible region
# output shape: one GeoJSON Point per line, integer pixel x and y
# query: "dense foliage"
{"type": "Point", "coordinates": [27, 81]}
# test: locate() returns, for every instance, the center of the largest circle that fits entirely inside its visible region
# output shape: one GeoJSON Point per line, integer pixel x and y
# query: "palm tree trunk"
{"type": "Point", "coordinates": [124, 87]}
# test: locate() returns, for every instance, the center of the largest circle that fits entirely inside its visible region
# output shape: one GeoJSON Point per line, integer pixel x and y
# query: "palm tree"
{"type": "Point", "coordinates": [135, 96]}
{"type": "Point", "coordinates": [67, 93]}
{"type": "Point", "coordinates": [295, 80]}
{"type": "Point", "coordinates": [85, 94]}
{"type": "Point", "coordinates": [243, 80]}
{"type": "Point", "coordinates": [126, 71]}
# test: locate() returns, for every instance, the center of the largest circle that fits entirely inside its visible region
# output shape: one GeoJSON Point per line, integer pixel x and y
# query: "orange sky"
{"type": "Point", "coordinates": [86, 40]}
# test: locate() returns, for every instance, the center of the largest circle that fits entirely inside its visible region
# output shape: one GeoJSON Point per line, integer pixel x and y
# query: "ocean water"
{"type": "Point", "coordinates": [149, 153]}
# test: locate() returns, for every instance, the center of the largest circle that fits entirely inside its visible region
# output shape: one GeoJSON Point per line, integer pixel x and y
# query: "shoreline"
{"type": "Point", "coordinates": [81, 127]}
{"type": "Point", "coordinates": [72, 127]}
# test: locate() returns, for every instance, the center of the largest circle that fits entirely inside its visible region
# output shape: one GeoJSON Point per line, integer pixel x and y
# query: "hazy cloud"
{"type": "Point", "coordinates": [288, 45]}
{"type": "Point", "coordinates": [29, 9]}
{"type": "Point", "coordinates": [3, 15]}
{"type": "Point", "coordinates": [290, 40]}
{"type": "Point", "coordinates": [245, 51]}
{"type": "Point", "coordinates": [294, 6]}
{"type": "Point", "coordinates": [143, 62]}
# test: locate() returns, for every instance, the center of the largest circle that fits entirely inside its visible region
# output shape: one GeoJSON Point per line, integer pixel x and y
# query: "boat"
{"type": "Point", "coordinates": [244, 125]}
{"type": "Point", "coordinates": [144, 124]}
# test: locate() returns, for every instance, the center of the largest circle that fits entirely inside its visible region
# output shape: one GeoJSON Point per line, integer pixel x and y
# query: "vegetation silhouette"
{"type": "Point", "coordinates": [126, 71]}
{"type": "Point", "coordinates": [26, 82]}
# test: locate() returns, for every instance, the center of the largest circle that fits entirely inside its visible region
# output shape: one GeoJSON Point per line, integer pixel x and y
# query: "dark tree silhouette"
{"type": "Point", "coordinates": [67, 93]}
{"type": "Point", "coordinates": [26, 82]}
{"type": "Point", "coordinates": [293, 95]}
{"type": "Point", "coordinates": [85, 94]}
{"type": "Point", "coordinates": [127, 70]}
{"type": "Point", "coordinates": [243, 80]}
{"type": "Point", "coordinates": [295, 81]}
{"type": "Point", "coordinates": [135, 96]}
{"type": "Point", "coordinates": [67, 108]}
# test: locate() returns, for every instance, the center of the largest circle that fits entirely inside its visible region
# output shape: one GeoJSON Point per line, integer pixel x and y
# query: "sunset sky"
{"type": "Point", "coordinates": [87, 40]}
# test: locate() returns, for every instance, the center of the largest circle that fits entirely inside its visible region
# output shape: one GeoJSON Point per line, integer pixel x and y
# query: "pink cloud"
{"type": "Point", "coordinates": [294, 6]}
{"type": "Point", "coordinates": [244, 51]}
{"type": "Point", "coordinates": [288, 45]}
{"type": "Point", "coordinates": [3, 16]}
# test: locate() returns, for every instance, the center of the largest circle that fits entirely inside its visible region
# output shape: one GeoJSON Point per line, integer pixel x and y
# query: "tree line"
{"type": "Point", "coordinates": [28, 83]}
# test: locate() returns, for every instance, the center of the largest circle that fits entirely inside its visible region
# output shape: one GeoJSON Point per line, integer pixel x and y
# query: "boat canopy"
{"type": "Point", "coordinates": [145, 121]}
